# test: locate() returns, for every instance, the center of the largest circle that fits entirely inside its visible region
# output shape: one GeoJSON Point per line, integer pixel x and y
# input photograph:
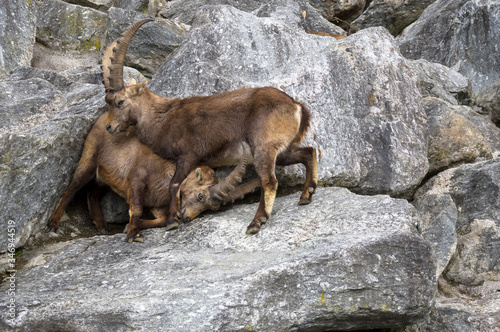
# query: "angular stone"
{"type": "Point", "coordinates": [438, 215]}
{"type": "Point", "coordinates": [339, 12]}
{"type": "Point", "coordinates": [461, 34]}
{"type": "Point", "coordinates": [436, 80]}
{"type": "Point", "coordinates": [339, 263]}
{"type": "Point", "coordinates": [66, 27]}
{"type": "Point", "coordinates": [475, 190]}
{"type": "Point", "coordinates": [395, 15]}
{"type": "Point", "coordinates": [17, 34]}
{"type": "Point", "coordinates": [368, 122]}
{"type": "Point", "coordinates": [40, 145]}
{"type": "Point", "coordinates": [151, 44]}
{"type": "Point", "coordinates": [452, 138]}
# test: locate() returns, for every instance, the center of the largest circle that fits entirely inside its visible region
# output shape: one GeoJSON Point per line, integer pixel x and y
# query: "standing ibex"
{"type": "Point", "coordinates": [208, 130]}
{"type": "Point", "coordinates": [141, 177]}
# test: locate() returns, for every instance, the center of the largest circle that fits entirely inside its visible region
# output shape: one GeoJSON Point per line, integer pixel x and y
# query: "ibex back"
{"type": "Point", "coordinates": [208, 130]}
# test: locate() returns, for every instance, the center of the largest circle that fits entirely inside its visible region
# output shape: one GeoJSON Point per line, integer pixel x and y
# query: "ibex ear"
{"type": "Point", "coordinates": [198, 175]}
{"type": "Point", "coordinates": [132, 82]}
{"type": "Point", "coordinates": [138, 88]}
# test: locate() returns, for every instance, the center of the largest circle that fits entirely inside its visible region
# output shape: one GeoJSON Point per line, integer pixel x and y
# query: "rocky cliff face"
{"type": "Point", "coordinates": [407, 151]}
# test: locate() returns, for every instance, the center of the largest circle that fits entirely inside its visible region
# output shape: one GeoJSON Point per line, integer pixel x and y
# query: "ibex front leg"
{"type": "Point", "coordinates": [183, 166]}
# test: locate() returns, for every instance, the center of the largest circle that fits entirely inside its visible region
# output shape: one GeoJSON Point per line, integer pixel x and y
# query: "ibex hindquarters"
{"type": "Point", "coordinates": [201, 130]}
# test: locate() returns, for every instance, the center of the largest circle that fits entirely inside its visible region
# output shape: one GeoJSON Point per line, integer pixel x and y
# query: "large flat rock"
{"type": "Point", "coordinates": [343, 262]}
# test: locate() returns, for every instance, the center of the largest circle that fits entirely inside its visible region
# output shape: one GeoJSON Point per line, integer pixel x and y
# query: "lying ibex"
{"type": "Point", "coordinates": [208, 130]}
{"type": "Point", "coordinates": [141, 177]}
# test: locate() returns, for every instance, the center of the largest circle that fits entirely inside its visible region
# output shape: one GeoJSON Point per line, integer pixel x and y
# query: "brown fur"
{"type": "Point", "coordinates": [209, 130]}
{"type": "Point", "coordinates": [137, 174]}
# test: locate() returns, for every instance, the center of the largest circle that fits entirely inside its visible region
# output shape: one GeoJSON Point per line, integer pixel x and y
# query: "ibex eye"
{"type": "Point", "coordinates": [120, 103]}
{"type": "Point", "coordinates": [200, 196]}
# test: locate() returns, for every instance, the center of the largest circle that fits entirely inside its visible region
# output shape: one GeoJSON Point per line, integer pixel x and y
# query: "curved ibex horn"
{"type": "Point", "coordinates": [114, 58]}
{"type": "Point", "coordinates": [220, 191]}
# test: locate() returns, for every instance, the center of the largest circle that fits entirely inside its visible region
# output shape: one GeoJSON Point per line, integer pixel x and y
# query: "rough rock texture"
{"type": "Point", "coordinates": [462, 34]}
{"type": "Point", "coordinates": [363, 97]}
{"type": "Point", "coordinates": [453, 139]}
{"type": "Point", "coordinates": [395, 15]}
{"type": "Point", "coordinates": [339, 12]}
{"type": "Point", "coordinates": [490, 102]}
{"type": "Point", "coordinates": [40, 144]}
{"type": "Point", "coordinates": [17, 34]}
{"type": "Point", "coordinates": [475, 190]}
{"type": "Point", "coordinates": [68, 27]}
{"type": "Point", "coordinates": [470, 283]}
{"type": "Point", "coordinates": [438, 216]}
{"type": "Point", "coordinates": [151, 44]}
{"type": "Point", "coordinates": [340, 263]}
{"type": "Point", "coordinates": [288, 11]}
{"type": "Point", "coordinates": [436, 80]}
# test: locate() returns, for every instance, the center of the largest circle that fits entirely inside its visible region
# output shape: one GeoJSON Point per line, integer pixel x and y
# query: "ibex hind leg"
{"type": "Point", "coordinates": [85, 172]}
{"type": "Point", "coordinates": [307, 156]}
{"type": "Point", "coordinates": [269, 185]}
{"type": "Point", "coordinates": [93, 195]}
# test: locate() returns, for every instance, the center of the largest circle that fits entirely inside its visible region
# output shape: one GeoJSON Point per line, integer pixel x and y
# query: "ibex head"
{"type": "Point", "coordinates": [198, 192]}
{"type": "Point", "coordinates": [123, 101]}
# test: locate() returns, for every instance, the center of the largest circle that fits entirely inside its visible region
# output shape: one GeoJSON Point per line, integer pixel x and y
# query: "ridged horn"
{"type": "Point", "coordinates": [114, 57]}
{"type": "Point", "coordinates": [221, 190]}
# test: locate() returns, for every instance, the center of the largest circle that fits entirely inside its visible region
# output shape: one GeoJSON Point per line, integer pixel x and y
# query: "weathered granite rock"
{"type": "Point", "coordinates": [436, 80]}
{"type": "Point", "coordinates": [102, 5]}
{"type": "Point", "coordinates": [151, 44]}
{"type": "Point", "coordinates": [455, 313]}
{"type": "Point", "coordinates": [340, 263]}
{"type": "Point", "coordinates": [40, 145]}
{"type": "Point", "coordinates": [395, 15]}
{"type": "Point", "coordinates": [133, 5]}
{"type": "Point", "coordinates": [461, 34]}
{"type": "Point", "coordinates": [475, 190]}
{"type": "Point", "coordinates": [66, 27]}
{"type": "Point", "coordinates": [438, 216]}
{"type": "Point", "coordinates": [368, 122]}
{"type": "Point", "coordinates": [476, 258]}
{"type": "Point", "coordinates": [489, 100]}
{"type": "Point", "coordinates": [452, 138]}
{"type": "Point", "coordinates": [287, 11]}
{"type": "Point", "coordinates": [17, 34]}
{"type": "Point", "coordinates": [339, 12]}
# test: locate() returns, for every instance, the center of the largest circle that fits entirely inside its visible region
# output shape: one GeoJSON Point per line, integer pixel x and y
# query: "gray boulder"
{"type": "Point", "coordinates": [150, 46]}
{"type": "Point", "coordinates": [368, 121]}
{"type": "Point", "coordinates": [102, 5]}
{"type": "Point", "coordinates": [67, 27]}
{"type": "Point", "coordinates": [461, 34]}
{"type": "Point", "coordinates": [340, 263]}
{"type": "Point", "coordinates": [339, 12]}
{"type": "Point", "coordinates": [453, 139]}
{"type": "Point", "coordinates": [289, 12]}
{"type": "Point", "coordinates": [436, 80]}
{"type": "Point", "coordinates": [395, 15]}
{"type": "Point", "coordinates": [438, 216]}
{"type": "Point", "coordinates": [489, 101]}
{"type": "Point", "coordinates": [475, 191]}
{"type": "Point", "coordinates": [17, 34]}
{"type": "Point", "coordinates": [40, 144]}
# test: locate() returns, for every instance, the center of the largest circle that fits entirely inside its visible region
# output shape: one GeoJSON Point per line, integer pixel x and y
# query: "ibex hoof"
{"type": "Point", "coordinates": [255, 226]}
{"type": "Point", "coordinates": [136, 238]}
{"type": "Point", "coordinates": [172, 225]}
{"type": "Point", "coordinates": [305, 201]}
